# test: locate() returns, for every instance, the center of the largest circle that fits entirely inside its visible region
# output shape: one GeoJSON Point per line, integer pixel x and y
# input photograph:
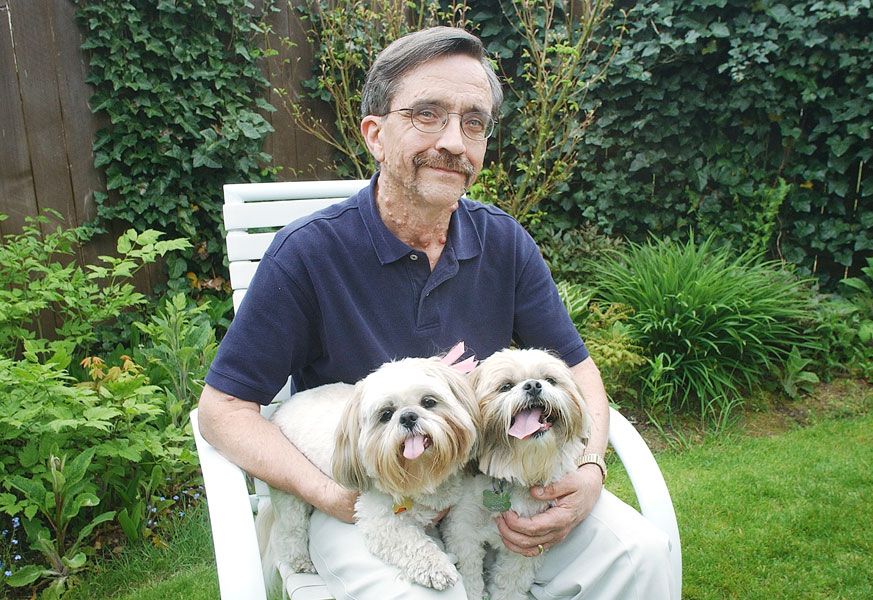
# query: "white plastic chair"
{"type": "Point", "coordinates": [231, 506]}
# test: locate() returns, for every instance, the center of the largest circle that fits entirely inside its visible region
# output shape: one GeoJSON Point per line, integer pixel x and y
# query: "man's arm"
{"type": "Point", "coordinates": [236, 429]}
{"type": "Point", "coordinates": [576, 493]}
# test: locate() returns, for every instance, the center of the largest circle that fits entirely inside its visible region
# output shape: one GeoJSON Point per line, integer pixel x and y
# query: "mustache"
{"type": "Point", "coordinates": [446, 161]}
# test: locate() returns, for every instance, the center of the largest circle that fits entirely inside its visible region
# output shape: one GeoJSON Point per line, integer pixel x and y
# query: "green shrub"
{"type": "Point", "coordinates": [607, 338]}
{"type": "Point", "coordinates": [38, 277]}
{"type": "Point", "coordinates": [843, 328]}
{"type": "Point", "coordinates": [181, 92]}
{"type": "Point", "coordinates": [182, 346]}
{"type": "Point", "coordinates": [752, 119]}
{"type": "Point", "coordinates": [73, 454]}
{"type": "Point", "coordinates": [87, 444]}
{"type": "Point", "coordinates": [568, 250]}
{"type": "Point", "coordinates": [712, 325]}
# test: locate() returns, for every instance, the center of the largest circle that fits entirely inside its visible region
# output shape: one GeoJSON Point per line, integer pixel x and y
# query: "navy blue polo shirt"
{"type": "Point", "coordinates": [337, 294]}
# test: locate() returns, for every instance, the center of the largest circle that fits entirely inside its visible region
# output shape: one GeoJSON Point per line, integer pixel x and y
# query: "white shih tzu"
{"type": "Point", "coordinates": [534, 430]}
{"type": "Point", "coordinates": [401, 437]}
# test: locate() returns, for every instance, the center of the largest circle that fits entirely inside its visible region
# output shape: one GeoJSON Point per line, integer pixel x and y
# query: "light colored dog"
{"type": "Point", "coordinates": [400, 436]}
{"type": "Point", "coordinates": [534, 429]}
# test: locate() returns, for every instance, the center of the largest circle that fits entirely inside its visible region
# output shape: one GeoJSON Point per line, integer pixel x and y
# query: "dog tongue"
{"type": "Point", "coordinates": [526, 422]}
{"type": "Point", "coordinates": [413, 446]}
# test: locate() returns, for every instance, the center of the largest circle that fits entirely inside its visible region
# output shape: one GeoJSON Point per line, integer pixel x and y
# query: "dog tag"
{"type": "Point", "coordinates": [496, 501]}
{"type": "Point", "coordinates": [402, 507]}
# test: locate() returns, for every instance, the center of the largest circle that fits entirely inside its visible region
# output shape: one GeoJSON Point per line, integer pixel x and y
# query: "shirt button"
{"type": "Point", "coordinates": [413, 257]}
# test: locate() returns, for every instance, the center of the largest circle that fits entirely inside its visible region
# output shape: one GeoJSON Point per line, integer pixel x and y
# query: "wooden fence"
{"type": "Point", "coordinates": [47, 127]}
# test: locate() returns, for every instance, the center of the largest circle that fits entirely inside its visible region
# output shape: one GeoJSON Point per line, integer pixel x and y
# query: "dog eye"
{"type": "Point", "coordinates": [505, 387]}
{"type": "Point", "coordinates": [428, 402]}
{"type": "Point", "coordinates": [386, 415]}
{"type": "Point", "coordinates": [550, 380]}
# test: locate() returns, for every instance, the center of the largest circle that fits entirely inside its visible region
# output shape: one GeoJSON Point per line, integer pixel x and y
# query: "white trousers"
{"type": "Point", "coordinates": [615, 554]}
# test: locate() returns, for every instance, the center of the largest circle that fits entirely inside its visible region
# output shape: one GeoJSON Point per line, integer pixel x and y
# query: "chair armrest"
{"type": "Point", "coordinates": [237, 557]}
{"type": "Point", "coordinates": [648, 484]}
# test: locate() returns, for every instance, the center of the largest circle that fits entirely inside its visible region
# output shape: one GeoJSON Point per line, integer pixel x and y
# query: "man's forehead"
{"type": "Point", "coordinates": [454, 82]}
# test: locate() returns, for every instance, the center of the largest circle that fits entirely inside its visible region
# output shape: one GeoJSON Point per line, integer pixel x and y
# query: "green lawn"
{"type": "Point", "coordinates": [785, 516]}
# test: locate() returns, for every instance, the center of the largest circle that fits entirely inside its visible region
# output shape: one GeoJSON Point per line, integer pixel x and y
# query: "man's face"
{"type": "Point", "coordinates": [434, 167]}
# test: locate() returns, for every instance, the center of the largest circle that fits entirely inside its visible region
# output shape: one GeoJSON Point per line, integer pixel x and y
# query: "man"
{"type": "Point", "coordinates": [407, 268]}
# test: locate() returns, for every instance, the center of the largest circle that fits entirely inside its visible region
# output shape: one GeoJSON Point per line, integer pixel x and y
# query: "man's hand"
{"type": "Point", "coordinates": [573, 497]}
{"type": "Point", "coordinates": [339, 502]}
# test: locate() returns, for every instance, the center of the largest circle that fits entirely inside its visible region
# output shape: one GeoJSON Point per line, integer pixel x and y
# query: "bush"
{"type": "Point", "coordinates": [39, 278]}
{"type": "Point", "coordinates": [752, 119]}
{"type": "Point", "coordinates": [712, 325]}
{"type": "Point", "coordinates": [88, 445]}
{"type": "Point", "coordinates": [181, 92]}
{"type": "Point", "coordinates": [607, 338]}
{"type": "Point", "coordinates": [568, 250]}
{"type": "Point", "coordinates": [844, 328]}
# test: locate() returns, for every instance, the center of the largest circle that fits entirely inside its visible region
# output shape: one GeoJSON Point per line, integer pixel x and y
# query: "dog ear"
{"type": "Point", "coordinates": [462, 389]}
{"type": "Point", "coordinates": [579, 398]}
{"type": "Point", "coordinates": [348, 470]}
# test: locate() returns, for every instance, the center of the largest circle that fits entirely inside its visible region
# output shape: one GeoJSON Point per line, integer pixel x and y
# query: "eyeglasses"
{"type": "Point", "coordinates": [433, 118]}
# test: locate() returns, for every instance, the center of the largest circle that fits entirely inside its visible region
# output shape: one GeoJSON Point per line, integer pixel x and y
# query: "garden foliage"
{"type": "Point", "coordinates": [750, 120]}
{"type": "Point", "coordinates": [712, 325]}
{"type": "Point", "coordinates": [182, 91]}
{"type": "Point", "coordinates": [87, 445]}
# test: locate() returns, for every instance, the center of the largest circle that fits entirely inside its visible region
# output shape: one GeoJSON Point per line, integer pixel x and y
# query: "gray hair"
{"type": "Point", "coordinates": [410, 51]}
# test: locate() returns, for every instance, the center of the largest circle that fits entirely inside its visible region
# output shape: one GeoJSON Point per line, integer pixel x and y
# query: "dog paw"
{"type": "Point", "coordinates": [302, 565]}
{"type": "Point", "coordinates": [438, 575]}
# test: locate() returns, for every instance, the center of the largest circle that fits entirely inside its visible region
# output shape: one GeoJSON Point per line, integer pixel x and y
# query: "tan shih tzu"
{"type": "Point", "coordinates": [401, 437]}
{"type": "Point", "coordinates": [534, 430]}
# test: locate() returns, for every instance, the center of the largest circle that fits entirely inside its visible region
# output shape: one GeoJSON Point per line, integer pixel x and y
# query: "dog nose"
{"type": "Point", "coordinates": [532, 387]}
{"type": "Point", "coordinates": [408, 419]}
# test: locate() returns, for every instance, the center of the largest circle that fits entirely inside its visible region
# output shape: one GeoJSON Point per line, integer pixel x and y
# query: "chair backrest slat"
{"type": "Point", "coordinates": [250, 208]}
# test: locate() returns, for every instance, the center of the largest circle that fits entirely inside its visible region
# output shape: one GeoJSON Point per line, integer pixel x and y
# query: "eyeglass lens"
{"type": "Point", "coordinates": [431, 118]}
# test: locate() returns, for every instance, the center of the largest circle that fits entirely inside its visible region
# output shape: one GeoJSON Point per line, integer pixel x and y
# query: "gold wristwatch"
{"type": "Point", "coordinates": [594, 459]}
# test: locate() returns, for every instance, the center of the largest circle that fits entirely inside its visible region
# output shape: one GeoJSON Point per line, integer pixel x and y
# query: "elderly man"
{"type": "Point", "coordinates": [407, 267]}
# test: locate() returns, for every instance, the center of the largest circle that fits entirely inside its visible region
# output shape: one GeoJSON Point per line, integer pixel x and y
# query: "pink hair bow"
{"type": "Point", "coordinates": [451, 359]}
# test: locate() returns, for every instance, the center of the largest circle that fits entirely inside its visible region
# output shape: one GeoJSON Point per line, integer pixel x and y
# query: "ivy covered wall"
{"type": "Point", "coordinates": [749, 119]}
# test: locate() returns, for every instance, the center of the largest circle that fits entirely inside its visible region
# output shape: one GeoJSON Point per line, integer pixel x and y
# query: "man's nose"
{"type": "Point", "coordinates": [451, 138]}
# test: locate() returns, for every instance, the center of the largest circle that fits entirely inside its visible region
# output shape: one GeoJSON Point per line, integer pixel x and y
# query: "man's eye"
{"type": "Point", "coordinates": [426, 113]}
{"type": "Point", "coordinates": [386, 415]}
{"type": "Point", "coordinates": [474, 122]}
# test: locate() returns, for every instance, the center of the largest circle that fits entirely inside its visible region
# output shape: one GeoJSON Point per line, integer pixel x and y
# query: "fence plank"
{"type": "Point", "coordinates": [36, 55]}
{"type": "Point", "coordinates": [300, 154]}
{"type": "Point", "coordinates": [17, 196]}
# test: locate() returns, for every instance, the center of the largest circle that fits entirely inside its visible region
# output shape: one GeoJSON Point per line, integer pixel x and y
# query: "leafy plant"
{"type": "Point", "coordinates": [179, 85]}
{"type": "Point", "coordinates": [843, 327]}
{"type": "Point", "coordinates": [568, 249]}
{"type": "Point", "coordinates": [39, 276]}
{"type": "Point", "coordinates": [556, 58]}
{"type": "Point", "coordinates": [118, 416]}
{"type": "Point", "coordinates": [713, 324]}
{"type": "Point", "coordinates": [606, 336]}
{"type": "Point", "coordinates": [795, 379]}
{"type": "Point", "coordinates": [58, 503]}
{"type": "Point", "coordinates": [182, 348]}
{"type": "Point", "coordinates": [709, 106]}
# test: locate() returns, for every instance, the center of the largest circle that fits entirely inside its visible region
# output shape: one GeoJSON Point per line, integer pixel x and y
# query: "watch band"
{"type": "Point", "coordinates": [595, 459]}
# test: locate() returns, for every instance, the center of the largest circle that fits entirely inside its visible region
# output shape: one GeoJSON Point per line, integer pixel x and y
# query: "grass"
{"type": "Point", "coordinates": [778, 507]}
{"type": "Point", "coordinates": [186, 569]}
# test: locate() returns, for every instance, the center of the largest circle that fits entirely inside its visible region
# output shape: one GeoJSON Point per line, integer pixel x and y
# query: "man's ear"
{"type": "Point", "coordinates": [371, 129]}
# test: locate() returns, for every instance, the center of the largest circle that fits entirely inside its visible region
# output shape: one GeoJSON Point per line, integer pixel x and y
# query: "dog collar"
{"type": "Point", "coordinates": [402, 506]}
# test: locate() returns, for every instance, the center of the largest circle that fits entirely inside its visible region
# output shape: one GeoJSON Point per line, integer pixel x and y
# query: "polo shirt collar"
{"type": "Point", "coordinates": [464, 238]}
